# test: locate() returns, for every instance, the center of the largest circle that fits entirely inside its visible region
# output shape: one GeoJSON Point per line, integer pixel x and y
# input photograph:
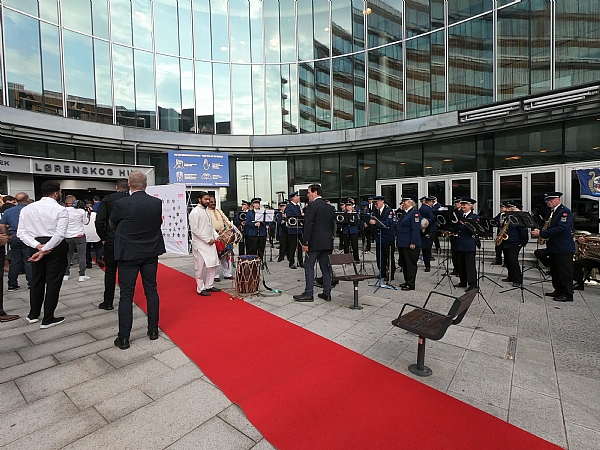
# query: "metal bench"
{"type": "Point", "coordinates": [345, 260]}
{"type": "Point", "coordinates": [428, 324]}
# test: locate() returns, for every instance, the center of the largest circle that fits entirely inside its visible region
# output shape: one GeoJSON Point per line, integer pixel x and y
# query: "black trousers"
{"type": "Point", "coordinates": [294, 248]}
{"type": "Point", "coordinates": [580, 267]}
{"type": "Point", "coordinates": [128, 273]}
{"type": "Point", "coordinates": [282, 245]}
{"type": "Point", "coordinates": [426, 257]}
{"type": "Point", "coordinates": [110, 273]}
{"type": "Point", "coordinates": [561, 269]}
{"type": "Point", "coordinates": [367, 237]}
{"type": "Point", "coordinates": [255, 245]}
{"type": "Point", "coordinates": [436, 242]}
{"type": "Point", "coordinates": [2, 259]}
{"type": "Point", "coordinates": [467, 271]}
{"type": "Point", "coordinates": [241, 246]}
{"type": "Point", "coordinates": [384, 257]}
{"type": "Point", "coordinates": [351, 241]}
{"type": "Point", "coordinates": [47, 278]}
{"type": "Point", "coordinates": [407, 259]}
{"type": "Point", "coordinates": [511, 261]}
{"type": "Point", "coordinates": [454, 253]}
{"type": "Point", "coordinates": [499, 250]}
{"type": "Point", "coordinates": [543, 256]}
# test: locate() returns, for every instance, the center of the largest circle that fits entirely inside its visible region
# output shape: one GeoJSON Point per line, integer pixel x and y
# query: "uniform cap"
{"type": "Point", "coordinates": [378, 197]}
{"type": "Point", "coordinates": [555, 194]}
{"type": "Point", "coordinates": [245, 202]}
{"type": "Point", "coordinates": [468, 200]}
{"type": "Point", "coordinates": [293, 194]}
{"type": "Point", "coordinates": [256, 200]}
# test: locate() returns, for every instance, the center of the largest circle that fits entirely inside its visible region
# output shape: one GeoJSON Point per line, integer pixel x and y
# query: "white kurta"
{"type": "Point", "coordinates": [202, 232]}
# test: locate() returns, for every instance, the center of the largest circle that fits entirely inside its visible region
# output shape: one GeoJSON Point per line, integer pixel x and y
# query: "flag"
{"type": "Point", "coordinates": [589, 183]}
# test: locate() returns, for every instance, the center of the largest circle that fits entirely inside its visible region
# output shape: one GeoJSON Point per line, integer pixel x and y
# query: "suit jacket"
{"type": "Point", "coordinates": [319, 226]}
{"type": "Point", "coordinates": [138, 218]}
{"type": "Point", "coordinates": [105, 209]}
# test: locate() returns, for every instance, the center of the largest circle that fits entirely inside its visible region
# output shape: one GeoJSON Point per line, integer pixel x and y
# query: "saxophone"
{"type": "Point", "coordinates": [541, 240]}
{"type": "Point", "coordinates": [503, 235]}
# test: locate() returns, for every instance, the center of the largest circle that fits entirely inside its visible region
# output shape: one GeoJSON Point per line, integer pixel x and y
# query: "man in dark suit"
{"type": "Point", "coordinates": [138, 242]}
{"type": "Point", "coordinates": [317, 243]}
{"type": "Point", "coordinates": [107, 235]}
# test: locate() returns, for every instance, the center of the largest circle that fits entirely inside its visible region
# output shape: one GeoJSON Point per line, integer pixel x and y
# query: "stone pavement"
{"type": "Point", "coordinates": [535, 364]}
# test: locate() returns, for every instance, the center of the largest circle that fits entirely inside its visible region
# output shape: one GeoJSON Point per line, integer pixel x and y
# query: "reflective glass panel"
{"type": "Point", "coordinates": [256, 30]}
{"type": "Point", "coordinates": [323, 100]}
{"type": "Point", "coordinates": [385, 84]}
{"type": "Point", "coordinates": [389, 192]}
{"type": "Point", "coordinates": [22, 59]}
{"type": "Point", "coordinates": [358, 24]}
{"type": "Point", "coordinates": [239, 21]}
{"type": "Point", "coordinates": [384, 22]}
{"type": "Point", "coordinates": [120, 20]}
{"type": "Point", "coordinates": [423, 16]}
{"type": "Point", "coordinates": [103, 83]}
{"type": "Point", "coordinates": [349, 175]}
{"type": "Point", "coordinates": [52, 81]}
{"type": "Point", "coordinates": [61, 151]}
{"type": "Point", "coordinates": [187, 95]}
{"type": "Point", "coordinates": [168, 92]}
{"type": "Point", "coordinates": [258, 99]}
{"type": "Point", "coordinates": [26, 6]}
{"type": "Point", "coordinates": [273, 99]}
{"type": "Point", "coordinates": [165, 27]}
{"type": "Point", "coordinates": [306, 82]}
{"type": "Point", "coordinates": [124, 90]}
{"type": "Point", "coordinates": [79, 75]}
{"type": "Point", "coordinates": [219, 30]}
{"type": "Point", "coordinates": [76, 14]}
{"type": "Point", "coordinates": [329, 176]}
{"type": "Point", "coordinates": [360, 93]}
{"type": "Point", "coordinates": [32, 148]}
{"type": "Point", "coordinates": [367, 173]}
{"type": "Point", "coordinates": [100, 18]}
{"type": "Point", "coordinates": [307, 170]}
{"type": "Point", "coordinates": [262, 182]}
{"type": "Point", "coordinates": [577, 37]}
{"type": "Point", "coordinates": [523, 49]}
{"type": "Point", "coordinates": [144, 89]}
{"type": "Point", "coordinates": [437, 188]}
{"type": "Point", "coordinates": [84, 154]}
{"type": "Point", "coordinates": [511, 188]}
{"type": "Point", "coordinates": [532, 146]}
{"type": "Point", "coordinates": [341, 25]}
{"type": "Point", "coordinates": [582, 140]}
{"type": "Point", "coordinates": [399, 162]}
{"type": "Point", "coordinates": [204, 98]}
{"type": "Point", "coordinates": [322, 33]}
{"type": "Point", "coordinates": [245, 180]}
{"type": "Point", "coordinates": [450, 156]}
{"type": "Point", "coordinates": [222, 98]}
{"type": "Point", "coordinates": [48, 10]}
{"type": "Point", "coordinates": [287, 26]}
{"type": "Point", "coordinates": [290, 104]}
{"type": "Point", "coordinates": [438, 76]}
{"type": "Point", "coordinates": [343, 93]}
{"type": "Point", "coordinates": [305, 30]}
{"type": "Point", "coordinates": [142, 23]}
{"type": "Point", "coordinates": [271, 24]}
{"type": "Point", "coordinates": [109, 156]}
{"type": "Point", "coordinates": [202, 29]}
{"type": "Point", "coordinates": [279, 177]}
{"type": "Point", "coordinates": [470, 56]}
{"type": "Point", "coordinates": [418, 77]}
{"type": "Point", "coordinates": [241, 91]}
{"type": "Point", "coordinates": [463, 9]}
{"type": "Point", "coordinates": [185, 28]}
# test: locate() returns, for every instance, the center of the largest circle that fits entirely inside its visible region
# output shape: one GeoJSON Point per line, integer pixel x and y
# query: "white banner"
{"type": "Point", "coordinates": [175, 224]}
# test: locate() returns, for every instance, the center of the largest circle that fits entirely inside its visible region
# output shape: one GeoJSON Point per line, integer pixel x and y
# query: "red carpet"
{"type": "Point", "coordinates": [303, 391]}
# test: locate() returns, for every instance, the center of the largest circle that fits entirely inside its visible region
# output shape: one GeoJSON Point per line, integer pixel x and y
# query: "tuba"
{"type": "Point", "coordinates": [590, 247]}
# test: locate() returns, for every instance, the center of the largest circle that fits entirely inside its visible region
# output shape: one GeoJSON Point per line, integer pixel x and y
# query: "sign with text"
{"type": "Point", "coordinates": [198, 168]}
{"type": "Point", "coordinates": [175, 223]}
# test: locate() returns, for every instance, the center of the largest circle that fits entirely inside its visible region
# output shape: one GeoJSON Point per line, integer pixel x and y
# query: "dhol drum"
{"type": "Point", "coordinates": [229, 236]}
{"type": "Point", "coordinates": [247, 275]}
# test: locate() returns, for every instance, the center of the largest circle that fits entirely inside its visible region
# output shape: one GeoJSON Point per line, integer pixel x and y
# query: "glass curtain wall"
{"type": "Point", "coordinates": [287, 66]}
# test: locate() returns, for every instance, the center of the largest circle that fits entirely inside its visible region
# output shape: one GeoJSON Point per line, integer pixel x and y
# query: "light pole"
{"type": "Point", "coordinates": [247, 178]}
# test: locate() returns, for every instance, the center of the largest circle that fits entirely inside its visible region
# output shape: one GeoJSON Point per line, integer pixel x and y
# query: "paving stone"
{"type": "Point", "coordinates": [387, 349]}
{"type": "Point", "coordinates": [160, 423]}
{"type": "Point", "coordinates": [21, 370]}
{"type": "Point", "coordinates": [538, 414]}
{"type": "Point", "coordinates": [171, 381]}
{"type": "Point", "coordinates": [580, 399]}
{"type": "Point", "coordinates": [11, 397]}
{"type": "Point", "coordinates": [214, 434]}
{"type": "Point", "coordinates": [35, 416]}
{"type": "Point", "coordinates": [500, 413]}
{"type": "Point", "coordinates": [290, 310]}
{"type": "Point", "coordinates": [458, 336]}
{"type": "Point", "coordinates": [443, 372]}
{"type": "Point", "coordinates": [442, 351]}
{"type": "Point", "coordinates": [357, 343]}
{"type": "Point", "coordinates": [581, 438]}
{"type": "Point", "coordinates": [14, 342]}
{"type": "Point", "coordinates": [112, 329]}
{"type": "Point", "coordinates": [234, 416]}
{"type": "Point", "coordinates": [62, 433]}
{"type": "Point", "coordinates": [9, 359]}
{"type": "Point", "coordinates": [330, 327]}
{"type": "Point", "coordinates": [113, 383]}
{"type": "Point", "coordinates": [55, 346]}
{"type": "Point", "coordinates": [173, 357]}
{"type": "Point", "coordinates": [490, 343]}
{"type": "Point", "coordinates": [372, 326]}
{"type": "Point", "coordinates": [58, 378]}
{"type": "Point", "coordinates": [263, 445]}
{"type": "Point", "coordinates": [120, 405]}
{"type": "Point", "coordinates": [140, 350]}
{"type": "Point", "coordinates": [68, 328]}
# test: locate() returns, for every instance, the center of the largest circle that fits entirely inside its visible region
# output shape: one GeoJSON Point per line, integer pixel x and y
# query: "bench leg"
{"type": "Point", "coordinates": [420, 368]}
{"type": "Point", "coordinates": [356, 305]}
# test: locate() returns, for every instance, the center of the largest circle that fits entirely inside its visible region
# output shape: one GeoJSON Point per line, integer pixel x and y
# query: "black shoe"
{"type": "Point", "coordinates": [551, 294]}
{"type": "Point", "coordinates": [303, 298]}
{"type": "Point", "coordinates": [498, 262]}
{"type": "Point", "coordinates": [578, 287]}
{"type": "Point", "coordinates": [204, 293]}
{"type": "Point", "coordinates": [106, 307]}
{"type": "Point", "coordinates": [325, 297]}
{"type": "Point", "coordinates": [460, 285]}
{"type": "Point", "coordinates": [214, 289]}
{"type": "Point", "coordinates": [51, 322]}
{"type": "Point", "coordinates": [470, 288]}
{"type": "Point", "coordinates": [454, 273]}
{"type": "Point", "coordinates": [13, 288]}
{"type": "Point", "coordinates": [280, 259]}
{"type": "Point", "coordinates": [123, 344]}
{"type": "Point", "coordinates": [506, 280]}
{"type": "Point", "coordinates": [563, 298]}
{"type": "Point", "coordinates": [432, 259]}
{"type": "Point", "coordinates": [428, 269]}
{"type": "Point", "coordinates": [293, 266]}
{"type": "Point", "coordinates": [515, 284]}
{"type": "Point", "coordinates": [301, 265]}
{"type": "Point", "coordinates": [89, 266]}
{"type": "Point", "coordinates": [217, 280]}
{"type": "Point", "coordinates": [153, 335]}
{"type": "Point", "coordinates": [403, 285]}
{"type": "Point", "coordinates": [407, 288]}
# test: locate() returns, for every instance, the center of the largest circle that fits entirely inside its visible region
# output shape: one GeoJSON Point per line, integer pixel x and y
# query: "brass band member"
{"type": "Point", "coordinates": [516, 238]}
{"type": "Point", "coordinates": [559, 245]}
{"type": "Point", "coordinates": [294, 237]}
{"type": "Point", "coordinates": [466, 246]}
{"type": "Point", "coordinates": [240, 221]}
{"type": "Point", "coordinates": [408, 241]}
{"type": "Point", "coordinates": [349, 233]}
{"type": "Point", "coordinates": [281, 231]}
{"type": "Point", "coordinates": [500, 219]}
{"type": "Point", "coordinates": [454, 238]}
{"type": "Point", "coordinates": [384, 227]}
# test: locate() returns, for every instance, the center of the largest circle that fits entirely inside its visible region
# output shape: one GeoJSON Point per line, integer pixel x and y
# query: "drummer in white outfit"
{"type": "Point", "coordinates": [203, 246]}
{"type": "Point", "coordinates": [220, 221]}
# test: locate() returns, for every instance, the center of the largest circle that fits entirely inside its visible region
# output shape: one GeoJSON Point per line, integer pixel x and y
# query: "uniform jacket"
{"type": "Point", "coordinates": [427, 213]}
{"type": "Point", "coordinates": [408, 229]}
{"type": "Point", "coordinates": [292, 210]}
{"type": "Point", "coordinates": [350, 228]}
{"type": "Point", "coordinates": [388, 218]}
{"type": "Point", "coordinates": [251, 229]}
{"type": "Point", "coordinates": [517, 237]}
{"type": "Point", "coordinates": [558, 233]}
{"type": "Point", "coordinates": [319, 226]}
{"type": "Point", "coordinates": [465, 241]}
{"type": "Point", "coordinates": [280, 224]}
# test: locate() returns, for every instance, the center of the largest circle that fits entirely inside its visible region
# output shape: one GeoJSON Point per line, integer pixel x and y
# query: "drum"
{"type": "Point", "coordinates": [247, 275]}
{"type": "Point", "coordinates": [228, 236]}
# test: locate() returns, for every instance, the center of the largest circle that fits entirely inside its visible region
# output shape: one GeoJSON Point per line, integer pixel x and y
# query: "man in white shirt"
{"type": "Point", "coordinates": [75, 236]}
{"type": "Point", "coordinates": [203, 246]}
{"type": "Point", "coordinates": [42, 226]}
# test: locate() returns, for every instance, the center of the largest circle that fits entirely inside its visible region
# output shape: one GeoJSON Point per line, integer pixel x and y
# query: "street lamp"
{"type": "Point", "coordinates": [247, 178]}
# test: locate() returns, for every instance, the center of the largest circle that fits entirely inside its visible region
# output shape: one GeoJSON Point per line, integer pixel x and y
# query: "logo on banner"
{"type": "Point", "coordinates": [594, 183]}
{"type": "Point", "coordinates": [589, 183]}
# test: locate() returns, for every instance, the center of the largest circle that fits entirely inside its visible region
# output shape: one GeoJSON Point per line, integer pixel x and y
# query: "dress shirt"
{"type": "Point", "coordinates": [43, 218]}
{"type": "Point", "coordinates": [77, 219]}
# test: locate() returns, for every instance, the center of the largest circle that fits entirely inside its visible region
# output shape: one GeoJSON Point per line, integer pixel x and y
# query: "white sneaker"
{"type": "Point", "coordinates": [83, 278]}
{"type": "Point", "coordinates": [28, 320]}
{"type": "Point", "coordinates": [66, 278]}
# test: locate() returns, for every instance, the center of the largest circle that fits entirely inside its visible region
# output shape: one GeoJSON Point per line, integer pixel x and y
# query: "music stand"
{"type": "Point", "coordinates": [479, 231]}
{"type": "Point", "coordinates": [446, 220]}
{"type": "Point", "coordinates": [265, 216]}
{"type": "Point", "coordinates": [380, 283]}
{"type": "Point", "coordinates": [521, 219]}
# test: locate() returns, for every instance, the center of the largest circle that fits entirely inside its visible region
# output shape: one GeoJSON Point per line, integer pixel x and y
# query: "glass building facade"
{"type": "Point", "coordinates": [278, 68]}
